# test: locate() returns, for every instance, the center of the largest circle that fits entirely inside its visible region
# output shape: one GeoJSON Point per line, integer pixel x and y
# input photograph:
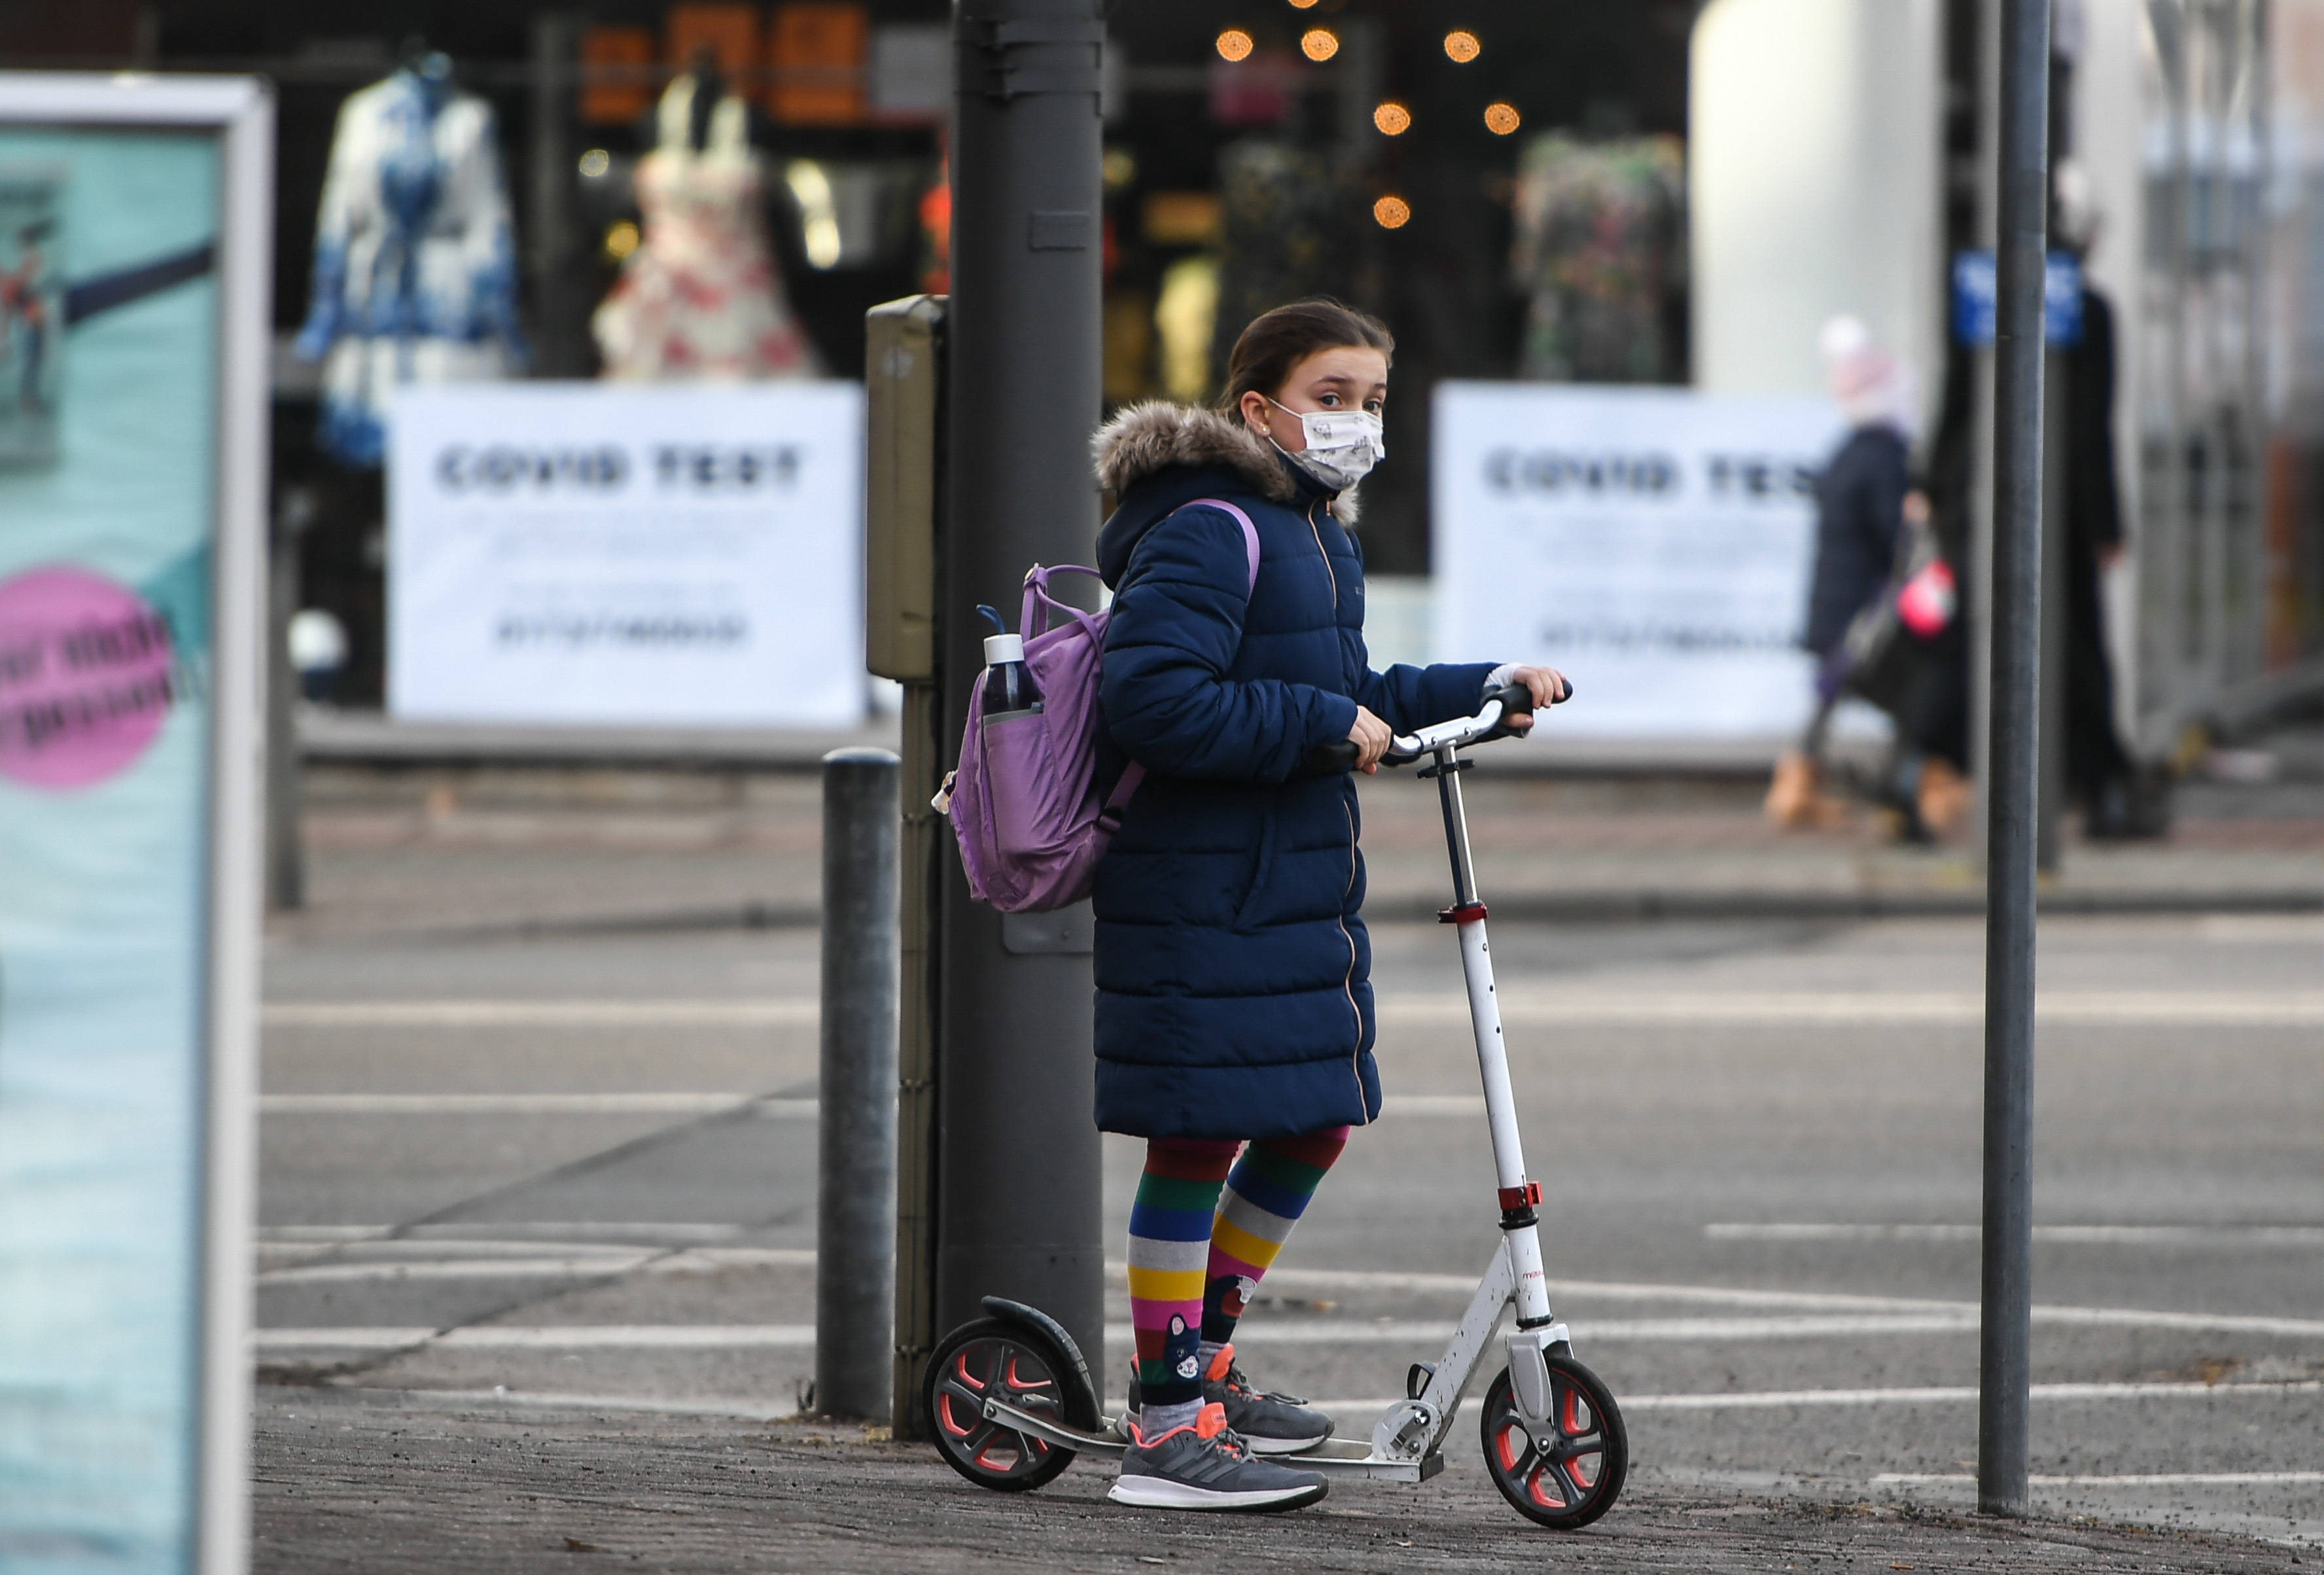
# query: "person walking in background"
{"type": "Point", "coordinates": [1868, 521]}
{"type": "Point", "coordinates": [2099, 774]}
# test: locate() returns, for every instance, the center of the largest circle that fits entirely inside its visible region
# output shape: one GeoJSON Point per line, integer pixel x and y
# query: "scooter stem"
{"type": "Point", "coordinates": [1518, 1195]}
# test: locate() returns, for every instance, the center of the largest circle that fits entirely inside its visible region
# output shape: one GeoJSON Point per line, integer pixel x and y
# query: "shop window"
{"type": "Point", "coordinates": [729, 31]}
{"type": "Point", "coordinates": [617, 74]}
{"type": "Point", "coordinates": [818, 52]}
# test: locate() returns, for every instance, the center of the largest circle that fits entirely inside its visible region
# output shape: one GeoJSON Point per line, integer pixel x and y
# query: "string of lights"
{"type": "Point", "coordinates": [1391, 118]}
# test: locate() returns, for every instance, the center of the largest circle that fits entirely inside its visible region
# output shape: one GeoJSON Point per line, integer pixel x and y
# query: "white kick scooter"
{"type": "Point", "coordinates": [1009, 1398]}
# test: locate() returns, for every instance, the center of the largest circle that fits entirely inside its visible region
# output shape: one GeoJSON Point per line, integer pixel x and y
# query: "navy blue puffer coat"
{"type": "Point", "coordinates": [1233, 993]}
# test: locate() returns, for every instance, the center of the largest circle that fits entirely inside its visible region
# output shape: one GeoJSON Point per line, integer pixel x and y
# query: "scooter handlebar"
{"type": "Point", "coordinates": [1490, 723]}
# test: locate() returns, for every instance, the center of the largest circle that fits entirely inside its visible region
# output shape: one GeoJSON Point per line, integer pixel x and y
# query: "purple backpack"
{"type": "Point", "coordinates": [1024, 803]}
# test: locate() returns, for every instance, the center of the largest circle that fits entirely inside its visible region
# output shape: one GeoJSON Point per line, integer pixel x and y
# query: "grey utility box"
{"type": "Point", "coordinates": [903, 380]}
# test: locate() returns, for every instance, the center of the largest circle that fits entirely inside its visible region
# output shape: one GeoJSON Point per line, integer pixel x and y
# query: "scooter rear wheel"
{"type": "Point", "coordinates": [1010, 1362]}
{"type": "Point", "coordinates": [1578, 1478]}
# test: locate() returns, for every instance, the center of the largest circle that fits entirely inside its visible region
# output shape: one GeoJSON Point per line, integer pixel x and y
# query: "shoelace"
{"type": "Point", "coordinates": [1235, 1384]}
{"type": "Point", "coordinates": [1231, 1379]}
{"type": "Point", "coordinates": [1212, 1428]}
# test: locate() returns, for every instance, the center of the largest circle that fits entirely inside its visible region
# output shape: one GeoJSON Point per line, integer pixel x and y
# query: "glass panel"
{"type": "Point", "coordinates": [107, 416]}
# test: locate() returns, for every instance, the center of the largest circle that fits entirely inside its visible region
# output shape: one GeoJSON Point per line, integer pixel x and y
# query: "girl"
{"type": "Point", "coordinates": [1234, 1000]}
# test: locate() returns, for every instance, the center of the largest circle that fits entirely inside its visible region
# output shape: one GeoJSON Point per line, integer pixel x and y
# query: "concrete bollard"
{"type": "Point", "coordinates": [856, 1218]}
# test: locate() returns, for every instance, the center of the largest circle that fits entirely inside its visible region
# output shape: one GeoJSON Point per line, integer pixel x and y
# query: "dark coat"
{"type": "Point", "coordinates": [2094, 756]}
{"type": "Point", "coordinates": [1859, 518]}
{"type": "Point", "coordinates": [1233, 993]}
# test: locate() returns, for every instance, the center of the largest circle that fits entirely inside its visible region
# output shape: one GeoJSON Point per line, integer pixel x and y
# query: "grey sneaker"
{"type": "Point", "coordinates": [1204, 1466]}
{"type": "Point", "coordinates": [1272, 1424]}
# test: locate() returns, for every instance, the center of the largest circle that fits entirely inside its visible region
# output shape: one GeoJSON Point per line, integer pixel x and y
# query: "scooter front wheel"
{"type": "Point", "coordinates": [1006, 1361]}
{"type": "Point", "coordinates": [1577, 1478]}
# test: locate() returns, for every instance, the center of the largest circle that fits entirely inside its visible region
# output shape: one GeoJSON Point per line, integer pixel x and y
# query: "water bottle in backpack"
{"type": "Point", "coordinates": [1009, 687]}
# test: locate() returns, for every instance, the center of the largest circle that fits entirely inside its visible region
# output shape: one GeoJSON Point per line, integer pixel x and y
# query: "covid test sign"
{"type": "Point", "coordinates": [601, 553]}
{"type": "Point", "coordinates": [1653, 543]}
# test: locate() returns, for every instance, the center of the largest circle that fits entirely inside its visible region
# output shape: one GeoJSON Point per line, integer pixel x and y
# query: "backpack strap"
{"type": "Point", "coordinates": [1118, 801]}
{"type": "Point", "coordinates": [1249, 535]}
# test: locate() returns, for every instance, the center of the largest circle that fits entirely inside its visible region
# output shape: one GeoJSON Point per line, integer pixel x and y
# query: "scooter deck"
{"type": "Point", "coordinates": [1336, 1457]}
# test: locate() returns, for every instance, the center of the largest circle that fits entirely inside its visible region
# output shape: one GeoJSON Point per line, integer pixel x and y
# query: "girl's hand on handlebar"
{"type": "Point", "coordinates": [1546, 685]}
{"type": "Point", "coordinates": [1371, 737]}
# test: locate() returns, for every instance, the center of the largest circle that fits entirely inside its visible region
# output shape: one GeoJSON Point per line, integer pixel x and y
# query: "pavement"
{"type": "Point", "coordinates": [334, 735]}
{"type": "Point", "coordinates": [400, 1483]}
{"type": "Point", "coordinates": [538, 1256]}
{"type": "Point", "coordinates": [425, 844]}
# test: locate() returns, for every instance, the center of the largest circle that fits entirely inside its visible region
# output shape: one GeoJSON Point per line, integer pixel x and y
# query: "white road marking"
{"type": "Point", "coordinates": [1962, 1393]}
{"type": "Point", "coordinates": [602, 1263]}
{"type": "Point", "coordinates": [1947, 1395]}
{"type": "Point", "coordinates": [1597, 1007]}
{"type": "Point", "coordinates": [655, 1103]}
{"type": "Point", "coordinates": [1324, 1279]}
{"type": "Point", "coordinates": [633, 1336]}
{"type": "Point", "coordinates": [2244, 929]}
{"type": "Point", "coordinates": [2152, 1479]}
{"type": "Point", "coordinates": [384, 1256]}
{"type": "Point", "coordinates": [797, 1011]}
{"type": "Point", "coordinates": [768, 1410]}
{"type": "Point", "coordinates": [745, 1409]}
{"type": "Point", "coordinates": [2235, 1236]}
{"type": "Point", "coordinates": [350, 1337]}
{"type": "Point", "coordinates": [2213, 1322]}
{"type": "Point", "coordinates": [498, 1231]}
{"type": "Point", "coordinates": [487, 1269]}
{"type": "Point", "coordinates": [1418, 1333]}
{"type": "Point", "coordinates": [1800, 1301]}
{"type": "Point", "coordinates": [1606, 1008]}
{"type": "Point", "coordinates": [1268, 1333]}
{"type": "Point", "coordinates": [1847, 1316]}
{"type": "Point", "coordinates": [555, 1336]}
{"type": "Point", "coordinates": [643, 1103]}
{"type": "Point", "coordinates": [1404, 1104]}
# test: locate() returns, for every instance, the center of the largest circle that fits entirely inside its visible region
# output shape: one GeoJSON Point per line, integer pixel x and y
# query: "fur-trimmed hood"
{"type": "Point", "coordinates": [1147, 438]}
{"type": "Point", "coordinates": [1156, 457]}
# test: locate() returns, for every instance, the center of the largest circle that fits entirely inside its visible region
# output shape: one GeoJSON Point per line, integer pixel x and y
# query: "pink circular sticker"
{"type": "Point", "coordinates": [86, 678]}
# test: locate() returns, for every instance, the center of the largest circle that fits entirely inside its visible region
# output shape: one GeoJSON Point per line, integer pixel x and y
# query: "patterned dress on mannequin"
{"type": "Point", "coordinates": [1601, 257]}
{"type": "Point", "coordinates": [700, 298]}
{"type": "Point", "coordinates": [415, 268]}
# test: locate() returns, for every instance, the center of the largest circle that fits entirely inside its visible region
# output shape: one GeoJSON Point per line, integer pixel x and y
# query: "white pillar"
{"type": "Point", "coordinates": [1814, 186]}
{"type": "Point", "coordinates": [2115, 133]}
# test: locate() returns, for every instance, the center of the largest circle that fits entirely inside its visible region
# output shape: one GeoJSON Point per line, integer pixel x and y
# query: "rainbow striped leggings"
{"type": "Point", "coordinates": [1194, 1260]}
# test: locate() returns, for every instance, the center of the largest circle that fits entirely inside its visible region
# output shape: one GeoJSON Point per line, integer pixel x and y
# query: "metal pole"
{"type": "Point", "coordinates": [924, 850]}
{"type": "Point", "coordinates": [557, 330]}
{"type": "Point", "coordinates": [286, 864]}
{"type": "Point", "coordinates": [2014, 751]}
{"type": "Point", "coordinates": [1018, 1212]}
{"type": "Point", "coordinates": [904, 411]}
{"type": "Point", "coordinates": [1977, 599]}
{"type": "Point", "coordinates": [856, 1215]}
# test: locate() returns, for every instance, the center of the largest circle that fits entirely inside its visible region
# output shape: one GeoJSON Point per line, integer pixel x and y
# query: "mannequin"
{"type": "Point", "coordinates": [700, 299]}
{"type": "Point", "coordinates": [415, 277]}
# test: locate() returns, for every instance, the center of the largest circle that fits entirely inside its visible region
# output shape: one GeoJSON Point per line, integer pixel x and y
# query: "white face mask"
{"type": "Point", "coordinates": [1342, 445]}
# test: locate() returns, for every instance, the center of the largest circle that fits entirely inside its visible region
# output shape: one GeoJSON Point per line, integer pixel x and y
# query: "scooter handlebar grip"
{"type": "Point", "coordinates": [1322, 759]}
{"type": "Point", "coordinates": [1516, 700]}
